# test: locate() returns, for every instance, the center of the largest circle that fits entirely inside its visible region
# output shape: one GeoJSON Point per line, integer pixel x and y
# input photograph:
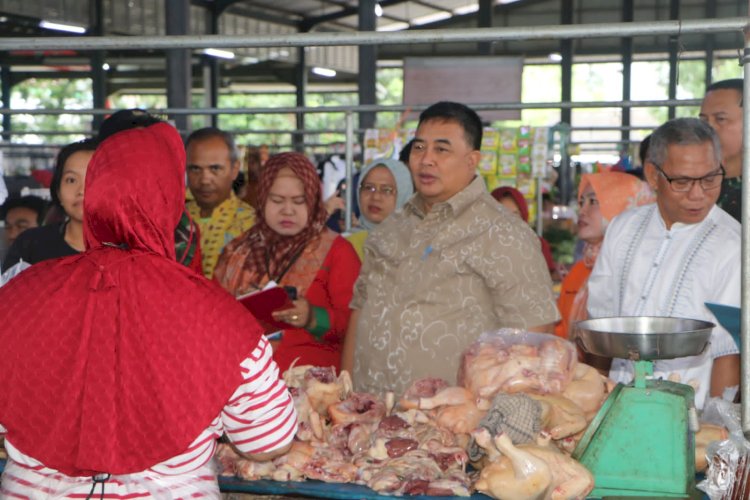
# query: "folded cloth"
{"type": "Point", "coordinates": [516, 415]}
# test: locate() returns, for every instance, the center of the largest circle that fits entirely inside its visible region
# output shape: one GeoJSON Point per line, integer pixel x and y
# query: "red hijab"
{"type": "Point", "coordinates": [267, 252]}
{"type": "Point", "coordinates": [116, 359]}
{"type": "Point", "coordinates": [515, 194]}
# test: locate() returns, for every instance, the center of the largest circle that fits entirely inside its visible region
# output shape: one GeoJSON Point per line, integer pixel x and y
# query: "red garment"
{"type": "Point", "coordinates": [523, 208]}
{"type": "Point", "coordinates": [573, 282]}
{"type": "Point", "coordinates": [332, 290]}
{"type": "Point", "coordinates": [134, 355]}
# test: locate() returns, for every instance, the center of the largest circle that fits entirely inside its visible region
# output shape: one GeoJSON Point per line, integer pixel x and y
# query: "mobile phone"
{"type": "Point", "coordinates": [291, 291]}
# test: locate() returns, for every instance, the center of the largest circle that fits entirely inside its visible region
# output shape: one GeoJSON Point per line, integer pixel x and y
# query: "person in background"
{"type": "Point", "coordinates": [671, 257]}
{"type": "Point", "coordinates": [291, 246]}
{"type": "Point", "coordinates": [601, 197]}
{"type": "Point", "coordinates": [447, 267]}
{"type": "Point", "coordinates": [186, 234]}
{"type": "Point", "coordinates": [121, 388]}
{"type": "Point", "coordinates": [264, 153]}
{"type": "Point", "coordinates": [212, 166]}
{"type": "Point", "coordinates": [20, 214]}
{"type": "Point", "coordinates": [252, 162]}
{"type": "Point", "coordinates": [512, 199]}
{"type": "Point", "coordinates": [386, 185]}
{"type": "Point", "coordinates": [722, 109]}
{"type": "Point", "coordinates": [65, 238]}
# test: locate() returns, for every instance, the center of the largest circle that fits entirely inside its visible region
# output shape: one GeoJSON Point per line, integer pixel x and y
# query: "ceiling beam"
{"type": "Point", "coordinates": [311, 22]}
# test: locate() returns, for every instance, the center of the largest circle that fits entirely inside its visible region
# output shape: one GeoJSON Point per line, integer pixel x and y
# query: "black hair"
{"type": "Point", "coordinates": [466, 117]}
{"type": "Point", "coordinates": [31, 202]}
{"type": "Point", "coordinates": [210, 132]}
{"type": "Point", "coordinates": [126, 119]}
{"type": "Point", "coordinates": [643, 149]}
{"type": "Point", "coordinates": [62, 157]}
{"type": "Point", "coordinates": [731, 84]}
{"type": "Point", "coordinates": [403, 155]}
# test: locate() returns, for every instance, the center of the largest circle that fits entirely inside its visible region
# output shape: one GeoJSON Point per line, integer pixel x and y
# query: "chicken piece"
{"type": "Point", "coordinates": [558, 361]}
{"type": "Point", "coordinates": [517, 475]}
{"type": "Point", "coordinates": [588, 390]}
{"type": "Point", "coordinates": [422, 388]}
{"type": "Point", "coordinates": [250, 470]}
{"type": "Point", "coordinates": [460, 419]}
{"type": "Point", "coordinates": [561, 417]}
{"type": "Point", "coordinates": [532, 466]}
{"type": "Point", "coordinates": [707, 434]}
{"type": "Point", "coordinates": [357, 408]}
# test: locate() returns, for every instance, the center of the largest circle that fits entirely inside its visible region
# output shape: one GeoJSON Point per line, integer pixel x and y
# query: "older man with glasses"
{"type": "Point", "coordinates": [671, 257]}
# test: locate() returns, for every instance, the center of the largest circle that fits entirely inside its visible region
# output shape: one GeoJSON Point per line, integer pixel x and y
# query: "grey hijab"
{"type": "Point", "coordinates": [404, 185]}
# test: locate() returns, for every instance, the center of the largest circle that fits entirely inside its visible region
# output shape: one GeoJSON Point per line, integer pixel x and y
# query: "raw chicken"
{"type": "Point", "coordinates": [707, 434]}
{"type": "Point", "coordinates": [453, 408]}
{"type": "Point", "coordinates": [357, 408]}
{"type": "Point", "coordinates": [321, 385]}
{"type": "Point", "coordinates": [588, 390]}
{"type": "Point", "coordinates": [512, 361]}
{"type": "Point", "coordinates": [561, 417]}
{"type": "Point", "coordinates": [530, 472]}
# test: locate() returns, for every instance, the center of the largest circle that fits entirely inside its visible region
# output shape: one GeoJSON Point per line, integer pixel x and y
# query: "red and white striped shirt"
{"type": "Point", "coordinates": [259, 417]}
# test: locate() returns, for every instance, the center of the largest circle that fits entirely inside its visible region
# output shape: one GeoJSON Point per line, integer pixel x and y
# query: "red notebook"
{"type": "Point", "coordinates": [263, 303]}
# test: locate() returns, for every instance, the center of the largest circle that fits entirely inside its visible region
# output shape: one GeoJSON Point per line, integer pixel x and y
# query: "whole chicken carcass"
{"type": "Point", "coordinates": [540, 471]}
{"type": "Point", "coordinates": [588, 389]}
{"type": "Point", "coordinates": [512, 473]}
{"type": "Point", "coordinates": [561, 417]}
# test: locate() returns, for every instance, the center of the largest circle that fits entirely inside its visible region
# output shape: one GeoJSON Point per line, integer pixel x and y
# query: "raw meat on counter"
{"type": "Point", "coordinates": [530, 471]}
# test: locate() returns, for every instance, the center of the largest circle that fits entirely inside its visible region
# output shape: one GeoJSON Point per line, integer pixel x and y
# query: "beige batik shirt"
{"type": "Point", "coordinates": [432, 283]}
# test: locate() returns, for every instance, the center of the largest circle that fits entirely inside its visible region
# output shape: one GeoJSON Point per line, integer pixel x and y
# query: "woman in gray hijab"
{"type": "Point", "coordinates": [385, 186]}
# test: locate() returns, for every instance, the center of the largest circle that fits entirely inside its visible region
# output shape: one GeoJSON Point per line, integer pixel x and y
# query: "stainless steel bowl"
{"type": "Point", "coordinates": [644, 337]}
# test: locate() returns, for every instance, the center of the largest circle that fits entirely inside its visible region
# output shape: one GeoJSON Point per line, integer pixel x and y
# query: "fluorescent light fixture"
{"type": "Point", "coordinates": [62, 27]}
{"type": "Point", "coordinates": [555, 57]}
{"type": "Point", "coordinates": [398, 26]}
{"type": "Point", "coordinates": [105, 67]}
{"type": "Point", "coordinates": [327, 72]}
{"type": "Point", "coordinates": [467, 9]}
{"type": "Point", "coordinates": [222, 54]}
{"type": "Point", "coordinates": [431, 18]}
{"type": "Point", "coordinates": [378, 10]}
{"type": "Point", "coordinates": [250, 60]}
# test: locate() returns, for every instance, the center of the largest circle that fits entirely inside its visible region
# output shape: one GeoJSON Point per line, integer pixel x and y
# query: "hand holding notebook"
{"type": "Point", "coordinates": [264, 302]}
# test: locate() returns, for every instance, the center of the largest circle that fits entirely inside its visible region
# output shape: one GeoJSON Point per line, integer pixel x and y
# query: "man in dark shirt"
{"type": "Point", "coordinates": [722, 109]}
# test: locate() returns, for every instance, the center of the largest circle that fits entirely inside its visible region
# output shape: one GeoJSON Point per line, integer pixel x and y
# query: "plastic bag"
{"type": "Point", "coordinates": [512, 361]}
{"type": "Point", "coordinates": [728, 475]}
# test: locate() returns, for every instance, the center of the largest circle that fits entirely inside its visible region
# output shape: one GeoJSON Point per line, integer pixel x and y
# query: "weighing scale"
{"type": "Point", "coordinates": [642, 441]}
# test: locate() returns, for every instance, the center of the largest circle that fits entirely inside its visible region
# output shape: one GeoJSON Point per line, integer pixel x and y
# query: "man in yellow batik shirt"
{"type": "Point", "coordinates": [212, 166]}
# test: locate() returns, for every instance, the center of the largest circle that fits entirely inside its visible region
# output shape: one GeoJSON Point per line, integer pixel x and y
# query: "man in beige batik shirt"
{"type": "Point", "coordinates": [453, 263]}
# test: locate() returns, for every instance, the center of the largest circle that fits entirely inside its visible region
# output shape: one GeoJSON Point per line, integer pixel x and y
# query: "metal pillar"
{"type": "Point", "coordinates": [300, 82]}
{"type": "Point", "coordinates": [484, 20]}
{"type": "Point", "coordinates": [177, 14]}
{"type": "Point", "coordinates": [745, 309]}
{"type": "Point", "coordinates": [566, 113]}
{"type": "Point", "coordinates": [674, 46]}
{"type": "Point", "coordinates": [368, 57]}
{"type": "Point", "coordinates": [627, 61]}
{"type": "Point", "coordinates": [211, 69]}
{"type": "Point", "coordinates": [709, 43]}
{"type": "Point", "coordinates": [98, 73]}
{"type": "Point", "coordinates": [7, 87]}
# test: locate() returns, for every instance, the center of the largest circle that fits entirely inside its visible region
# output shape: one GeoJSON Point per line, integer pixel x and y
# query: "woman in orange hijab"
{"type": "Point", "coordinates": [601, 197]}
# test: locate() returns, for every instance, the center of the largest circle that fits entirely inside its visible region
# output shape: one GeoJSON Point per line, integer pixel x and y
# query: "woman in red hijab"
{"type": "Point", "coordinates": [291, 246]}
{"type": "Point", "coordinates": [137, 365]}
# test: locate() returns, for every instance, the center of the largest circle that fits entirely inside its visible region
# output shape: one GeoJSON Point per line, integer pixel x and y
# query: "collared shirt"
{"type": "Point", "coordinates": [229, 220]}
{"type": "Point", "coordinates": [731, 197]}
{"type": "Point", "coordinates": [432, 282]}
{"type": "Point", "coordinates": [645, 269]}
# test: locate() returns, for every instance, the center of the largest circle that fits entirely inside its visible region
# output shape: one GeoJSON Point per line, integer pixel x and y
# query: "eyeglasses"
{"type": "Point", "coordinates": [685, 184]}
{"type": "Point", "coordinates": [382, 189]}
